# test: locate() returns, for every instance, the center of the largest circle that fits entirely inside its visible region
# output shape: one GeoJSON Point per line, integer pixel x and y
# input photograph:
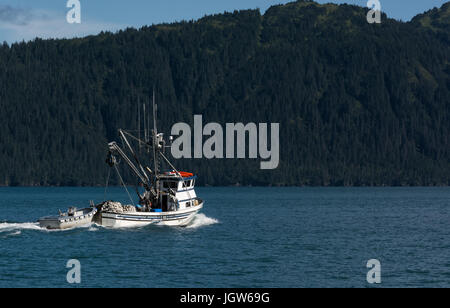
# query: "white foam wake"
{"type": "Point", "coordinates": [7, 227]}
{"type": "Point", "coordinates": [17, 227]}
{"type": "Point", "coordinates": [201, 220]}
{"type": "Point", "coordinates": [92, 228]}
{"type": "Point", "coordinates": [15, 233]}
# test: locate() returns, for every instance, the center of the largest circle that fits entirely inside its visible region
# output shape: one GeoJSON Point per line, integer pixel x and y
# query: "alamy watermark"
{"type": "Point", "coordinates": [374, 274]}
{"type": "Point", "coordinates": [235, 134]}
{"type": "Point", "coordinates": [74, 274]}
{"type": "Point", "coordinates": [74, 14]}
{"type": "Point", "coordinates": [374, 15]}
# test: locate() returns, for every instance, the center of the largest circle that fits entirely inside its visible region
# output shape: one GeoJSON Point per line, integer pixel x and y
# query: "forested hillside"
{"type": "Point", "coordinates": [357, 103]}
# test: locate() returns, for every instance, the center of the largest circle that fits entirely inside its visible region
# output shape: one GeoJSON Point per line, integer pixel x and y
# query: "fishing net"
{"type": "Point", "coordinates": [116, 207]}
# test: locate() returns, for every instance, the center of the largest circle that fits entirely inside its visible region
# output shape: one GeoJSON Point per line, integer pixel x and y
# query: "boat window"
{"type": "Point", "coordinates": [187, 184]}
{"type": "Point", "coordinates": [170, 185]}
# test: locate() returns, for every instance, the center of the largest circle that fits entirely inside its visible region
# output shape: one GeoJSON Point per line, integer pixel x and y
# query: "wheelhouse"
{"type": "Point", "coordinates": [177, 191]}
{"type": "Point", "coordinates": [171, 181]}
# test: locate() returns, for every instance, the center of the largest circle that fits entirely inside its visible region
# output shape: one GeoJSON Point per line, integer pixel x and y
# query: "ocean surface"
{"type": "Point", "coordinates": [244, 237]}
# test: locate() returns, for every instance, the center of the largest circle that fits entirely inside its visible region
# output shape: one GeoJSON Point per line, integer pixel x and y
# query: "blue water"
{"type": "Point", "coordinates": [245, 237]}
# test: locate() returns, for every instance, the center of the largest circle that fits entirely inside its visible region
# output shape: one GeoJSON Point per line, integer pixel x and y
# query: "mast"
{"type": "Point", "coordinates": [139, 125]}
{"type": "Point", "coordinates": [145, 127]}
{"type": "Point", "coordinates": [155, 137]}
{"type": "Point", "coordinates": [155, 148]}
{"type": "Point", "coordinates": [147, 119]}
{"type": "Point", "coordinates": [152, 141]}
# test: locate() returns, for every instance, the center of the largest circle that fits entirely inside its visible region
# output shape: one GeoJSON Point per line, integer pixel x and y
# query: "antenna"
{"type": "Point", "coordinates": [139, 124]}
{"type": "Point", "coordinates": [154, 112]}
{"type": "Point", "coordinates": [147, 118]}
{"type": "Point", "coordinates": [145, 128]}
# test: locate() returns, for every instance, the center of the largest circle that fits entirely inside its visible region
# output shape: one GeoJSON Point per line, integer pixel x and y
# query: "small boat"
{"type": "Point", "coordinates": [72, 218]}
{"type": "Point", "coordinates": [168, 198]}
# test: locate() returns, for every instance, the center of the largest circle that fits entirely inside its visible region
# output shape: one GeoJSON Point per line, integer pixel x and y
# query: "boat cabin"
{"type": "Point", "coordinates": [177, 191]}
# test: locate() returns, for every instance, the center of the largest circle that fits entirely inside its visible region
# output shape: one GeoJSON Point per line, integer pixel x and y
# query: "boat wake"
{"type": "Point", "coordinates": [201, 220]}
{"type": "Point", "coordinates": [7, 227]}
{"type": "Point", "coordinates": [94, 227]}
{"type": "Point", "coordinates": [17, 228]}
{"type": "Point", "coordinates": [13, 229]}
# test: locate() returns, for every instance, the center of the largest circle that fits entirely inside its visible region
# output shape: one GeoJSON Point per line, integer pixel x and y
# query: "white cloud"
{"type": "Point", "coordinates": [17, 24]}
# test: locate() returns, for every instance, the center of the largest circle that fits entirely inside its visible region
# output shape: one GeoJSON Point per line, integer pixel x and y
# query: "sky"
{"type": "Point", "coordinates": [27, 19]}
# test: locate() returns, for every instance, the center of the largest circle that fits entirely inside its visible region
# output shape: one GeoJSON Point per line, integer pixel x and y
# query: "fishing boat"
{"type": "Point", "coordinates": [71, 219]}
{"type": "Point", "coordinates": [166, 198]}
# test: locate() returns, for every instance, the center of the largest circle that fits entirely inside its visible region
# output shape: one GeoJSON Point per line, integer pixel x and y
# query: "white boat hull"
{"type": "Point", "coordinates": [141, 219]}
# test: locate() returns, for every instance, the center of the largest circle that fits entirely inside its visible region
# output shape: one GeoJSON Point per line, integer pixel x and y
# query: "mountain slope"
{"type": "Point", "coordinates": [357, 103]}
{"type": "Point", "coordinates": [437, 19]}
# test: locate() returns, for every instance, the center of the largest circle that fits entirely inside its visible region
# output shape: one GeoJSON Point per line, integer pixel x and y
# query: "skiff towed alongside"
{"type": "Point", "coordinates": [71, 219]}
